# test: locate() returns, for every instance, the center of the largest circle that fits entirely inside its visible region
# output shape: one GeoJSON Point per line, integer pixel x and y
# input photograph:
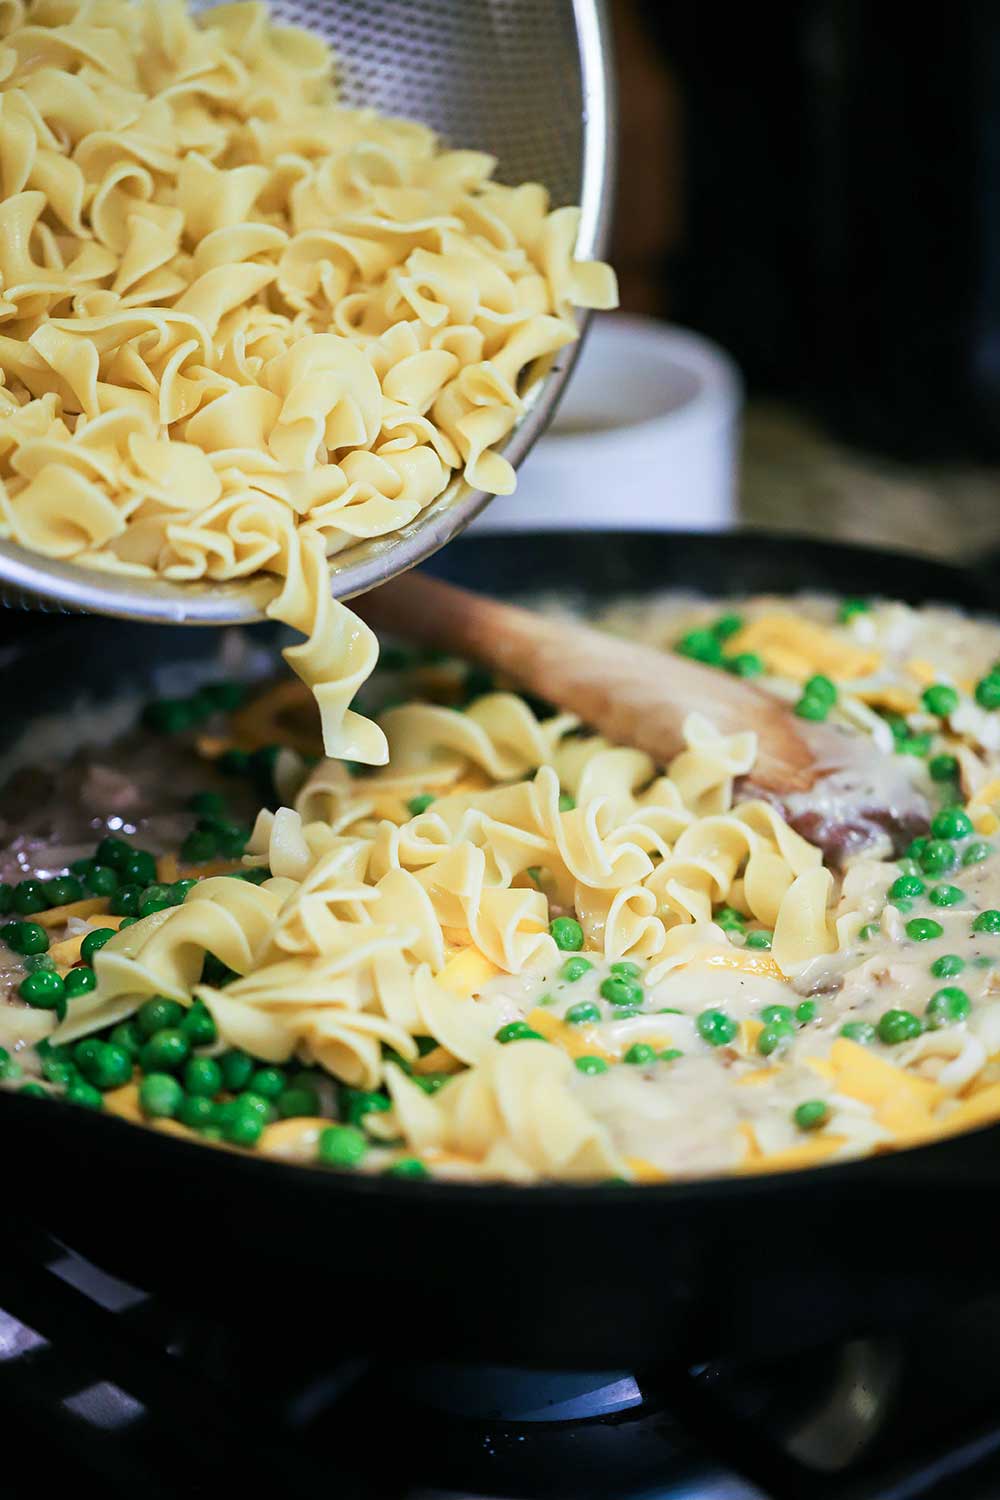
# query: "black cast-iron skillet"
{"type": "Point", "coordinates": [550, 1276]}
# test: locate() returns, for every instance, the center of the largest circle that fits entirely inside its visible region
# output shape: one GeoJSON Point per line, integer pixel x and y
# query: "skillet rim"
{"type": "Point", "coordinates": [855, 1173]}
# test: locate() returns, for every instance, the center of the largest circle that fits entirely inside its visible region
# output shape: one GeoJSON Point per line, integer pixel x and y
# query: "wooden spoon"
{"type": "Point", "coordinates": [633, 694]}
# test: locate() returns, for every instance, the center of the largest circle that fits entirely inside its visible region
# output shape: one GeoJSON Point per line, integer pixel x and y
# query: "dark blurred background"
{"type": "Point", "coordinates": [816, 187]}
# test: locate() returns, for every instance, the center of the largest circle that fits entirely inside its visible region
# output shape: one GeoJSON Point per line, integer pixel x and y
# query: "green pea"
{"type": "Point", "coordinates": [139, 868]}
{"type": "Point", "coordinates": [126, 1034]}
{"type": "Point", "coordinates": [898, 1026]}
{"type": "Point", "coordinates": [670, 1054]}
{"type": "Point", "coordinates": [199, 847]}
{"type": "Point", "coordinates": [727, 625]}
{"type": "Point", "coordinates": [775, 1035]}
{"type": "Point", "coordinates": [923, 930]}
{"type": "Point", "coordinates": [640, 1054]}
{"type": "Point", "coordinates": [946, 1006]}
{"type": "Point", "coordinates": [821, 687]}
{"type": "Point", "coordinates": [975, 853]}
{"type": "Point", "coordinates": [268, 1082]}
{"type": "Point", "coordinates": [582, 1013]}
{"type": "Point", "coordinates": [914, 744]}
{"type": "Point", "coordinates": [155, 898]}
{"type": "Point", "coordinates": [215, 973]}
{"type": "Point", "coordinates": [728, 916]}
{"type": "Point", "coordinates": [297, 1101]}
{"type": "Point", "coordinates": [951, 823]}
{"type": "Point", "coordinates": [234, 763]}
{"type": "Point", "coordinates": [237, 1069]}
{"type": "Point", "coordinates": [574, 969]}
{"type": "Point", "coordinates": [943, 768]}
{"type": "Point", "coordinates": [44, 989]}
{"type": "Point", "coordinates": [125, 901]}
{"type": "Point", "coordinates": [898, 725]}
{"type": "Point", "coordinates": [851, 607]}
{"type": "Point", "coordinates": [233, 841]}
{"type": "Point", "coordinates": [902, 903]}
{"type": "Point", "coordinates": [418, 805]}
{"type": "Point", "coordinates": [6, 898]}
{"type": "Point", "coordinates": [225, 696]}
{"type": "Point", "coordinates": [431, 1083]}
{"type": "Point", "coordinates": [745, 664]}
{"type": "Point", "coordinates": [988, 691]}
{"type": "Point", "coordinates": [29, 898]}
{"type": "Point", "coordinates": [407, 1166]}
{"type": "Point", "coordinates": [208, 804]}
{"type": "Point", "coordinates": [34, 961]}
{"type": "Point", "coordinates": [906, 886]}
{"type": "Point", "coordinates": [26, 937]}
{"type": "Point", "coordinates": [170, 715]}
{"type": "Point", "coordinates": [940, 699]}
{"type": "Point", "coordinates": [815, 709]}
{"type": "Point", "coordinates": [165, 1052]}
{"type": "Point", "coordinates": [243, 1128]}
{"type": "Point", "coordinates": [79, 982]}
{"type": "Point", "coordinates": [701, 645]}
{"type": "Point", "coordinates": [33, 1091]}
{"type": "Point", "coordinates": [341, 1146]}
{"type": "Point", "coordinates": [197, 1111]}
{"type": "Point", "coordinates": [715, 1027]}
{"type": "Point", "coordinates": [202, 1075]}
{"type": "Point", "coordinates": [621, 991]}
{"type": "Point", "coordinates": [250, 1103]}
{"type": "Point", "coordinates": [947, 895]}
{"type": "Point", "coordinates": [127, 922]}
{"type": "Point", "coordinates": [63, 890]}
{"type": "Point", "coordinates": [518, 1031]}
{"type": "Point", "coordinates": [917, 846]}
{"type": "Point", "coordinates": [591, 1066]}
{"type": "Point", "coordinates": [760, 939]}
{"type": "Point", "coordinates": [806, 1011]}
{"type": "Point", "coordinates": [84, 1095]}
{"type": "Point", "coordinates": [59, 1073]}
{"type": "Point", "coordinates": [156, 1014]}
{"type": "Point", "coordinates": [567, 934]}
{"type": "Point", "coordinates": [101, 880]}
{"type": "Point", "coordinates": [357, 1103]}
{"type": "Point", "coordinates": [947, 966]}
{"type": "Point", "coordinates": [811, 1114]}
{"type": "Point", "coordinates": [987, 921]}
{"type": "Point", "coordinates": [112, 852]}
{"type": "Point", "coordinates": [95, 941]}
{"type": "Point", "coordinates": [869, 931]}
{"type": "Point", "coordinates": [111, 1068]}
{"type": "Point", "coordinates": [198, 1026]}
{"type": "Point", "coordinates": [937, 857]}
{"type": "Point", "coordinates": [776, 1013]}
{"type": "Point", "coordinates": [625, 970]}
{"type": "Point", "coordinates": [10, 1068]}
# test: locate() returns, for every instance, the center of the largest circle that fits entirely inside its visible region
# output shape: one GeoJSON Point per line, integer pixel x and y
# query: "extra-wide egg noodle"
{"type": "Point", "coordinates": [242, 326]}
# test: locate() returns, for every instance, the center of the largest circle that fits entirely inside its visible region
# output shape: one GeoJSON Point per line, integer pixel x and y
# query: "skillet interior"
{"type": "Point", "coordinates": [551, 1276]}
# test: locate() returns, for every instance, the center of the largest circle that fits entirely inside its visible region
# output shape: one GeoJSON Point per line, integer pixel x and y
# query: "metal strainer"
{"type": "Point", "coordinates": [528, 81]}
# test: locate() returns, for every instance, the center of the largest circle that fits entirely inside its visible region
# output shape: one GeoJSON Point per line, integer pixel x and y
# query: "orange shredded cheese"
{"type": "Point", "coordinates": [799, 648]}
{"type": "Point", "coordinates": [58, 916]}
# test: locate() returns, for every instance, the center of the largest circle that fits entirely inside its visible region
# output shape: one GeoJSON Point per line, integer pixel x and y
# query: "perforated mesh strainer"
{"type": "Point", "coordinates": [526, 80]}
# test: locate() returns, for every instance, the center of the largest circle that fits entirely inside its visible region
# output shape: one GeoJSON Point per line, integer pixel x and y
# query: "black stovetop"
{"type": "Point", "coordinates": [100, 1380]}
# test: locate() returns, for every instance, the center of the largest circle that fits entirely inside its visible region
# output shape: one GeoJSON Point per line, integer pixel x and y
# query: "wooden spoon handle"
{"type": "Point", "coordinates": [633, 694]}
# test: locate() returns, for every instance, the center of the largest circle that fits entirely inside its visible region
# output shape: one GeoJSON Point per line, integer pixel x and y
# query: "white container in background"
{"type": "Point", "coordinates": [647, 435]}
